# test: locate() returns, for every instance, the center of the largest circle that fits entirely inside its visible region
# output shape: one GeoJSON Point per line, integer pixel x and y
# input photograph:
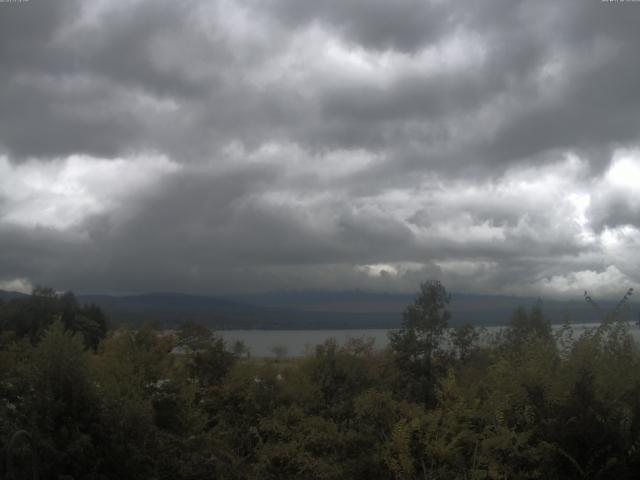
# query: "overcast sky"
{"type": "Point", "coordinates": [247, 145]}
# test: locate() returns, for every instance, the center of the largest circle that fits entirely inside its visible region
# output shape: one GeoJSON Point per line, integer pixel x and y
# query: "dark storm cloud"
{"type": "Point", "coordinates": [404, 25]}
{"type": "Point", "coordinates": [596, 100]}
{"type": "Point", "coordinates": [318, 142]}
{"type": "Point", "coordinates": [198, 218]}
{"type": "Point", "coordinates": [591, 102]}
{"type": "Point", "coordinates": [35, 253]}
{"type": "Point", "coordinates": [140, 75]}
{"type": "Point", "coordinates": [27, 31]}
{"type": "Point", "coordinates": [161, 52]}
{"type": "Point", "coordinates": [199, 229]}
{"type": "Point", "coordinates": [611, 209]}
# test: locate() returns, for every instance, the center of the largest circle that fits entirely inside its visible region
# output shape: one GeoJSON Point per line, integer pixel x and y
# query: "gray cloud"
{"type": "Point", "coordinates": [318, 144]}
{"type": "Point", "coordinates": [405, 25]}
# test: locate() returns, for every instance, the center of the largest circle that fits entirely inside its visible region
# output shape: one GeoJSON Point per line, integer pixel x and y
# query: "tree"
{"type": "Point", "coordinates": [193, 336]}
{"type": "Point", "coordinates": [63, 404]}
{"type": "Point", "coordinates": [525, 327]}
{"type": "Point", "coordinates": [418, 341]}
{"type": "Point", "coordinates": [29, 317]}
{"type": "Point", "coordinates": [463, 339]}
{"type": "Point", "coordinates": [280, 351]}
{"type": "Point", "coordinates": [92, 323]}
{"type": "Point", "coordinates": [208, 359]}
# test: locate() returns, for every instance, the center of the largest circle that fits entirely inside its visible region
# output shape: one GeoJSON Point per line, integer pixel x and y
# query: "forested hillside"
{"type": "Point", "coordinates": [128, 404]}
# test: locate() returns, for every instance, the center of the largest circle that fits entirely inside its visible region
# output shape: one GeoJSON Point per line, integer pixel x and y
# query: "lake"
{"type": "Point", "coordinates": [297, 342]}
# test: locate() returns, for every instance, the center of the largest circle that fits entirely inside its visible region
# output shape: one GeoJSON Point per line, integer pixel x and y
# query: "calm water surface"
{"type": "Point", "coordinates": [298, 342]}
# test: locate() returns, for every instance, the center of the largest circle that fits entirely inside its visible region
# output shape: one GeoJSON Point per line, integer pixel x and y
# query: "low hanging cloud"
{"type": "Point", "coordinates": [233, 146]}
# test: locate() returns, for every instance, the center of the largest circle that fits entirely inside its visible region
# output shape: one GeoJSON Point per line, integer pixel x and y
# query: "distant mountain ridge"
{"type": "Point", "coordinates": [318, 309]}
{"type": "Point", "coordinates": [8, 295]}
{"type": "Point", "coordinates": [477, 309]}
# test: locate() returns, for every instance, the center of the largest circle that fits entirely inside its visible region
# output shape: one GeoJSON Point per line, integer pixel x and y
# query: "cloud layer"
{"type": "Point", "coordinates": [228, 146]}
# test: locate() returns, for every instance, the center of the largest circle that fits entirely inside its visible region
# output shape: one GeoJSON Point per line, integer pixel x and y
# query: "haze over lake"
{"type": "Point", "coordinates": [298, 342]}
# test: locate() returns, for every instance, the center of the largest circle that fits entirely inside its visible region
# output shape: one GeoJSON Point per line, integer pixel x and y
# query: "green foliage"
{"type": "Point", "coordinates": [207, 358]}
{"type": "Point", "coordinates": [29, 317]}
{"type": "Point", "coordinates": [58, 403]}
{"type": "Point", "coordinates": [280, 351]}
{"type": "Point", "coordinates": [424, 322]}
{"type": "Point", "coordinates": [526, 327]}
{"type": "Point", "coordinates": [159, 405]}
{"type": "Point", "coordinates": [296, 445]}
{"type": "Point", "coordinates": [464, 339]}
{"type": "Point", "coordinates": [419, 340]}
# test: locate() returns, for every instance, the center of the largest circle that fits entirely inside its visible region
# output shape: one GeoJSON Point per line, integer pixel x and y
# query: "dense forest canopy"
{"type": "Point", "coordinates": [437, 403]}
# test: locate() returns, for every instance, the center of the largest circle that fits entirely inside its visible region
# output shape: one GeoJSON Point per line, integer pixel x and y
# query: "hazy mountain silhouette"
{"type": "Point", "coordinates": [8, 295]}
{"type": "Point", "coordinates": [318, 309]}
